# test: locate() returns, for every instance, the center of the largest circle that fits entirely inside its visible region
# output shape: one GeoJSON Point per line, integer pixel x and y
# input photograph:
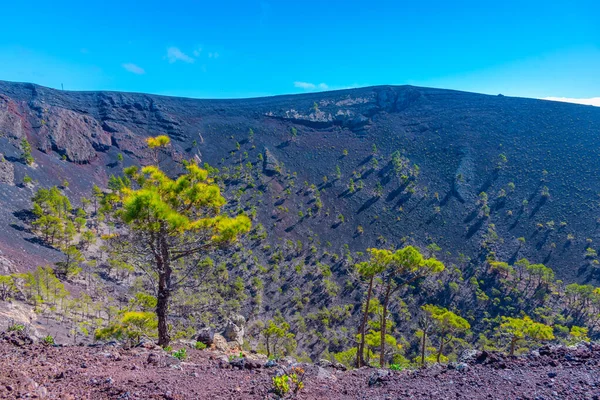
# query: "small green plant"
{"type": "Point", "coordinates": [168, 349]}
{"type": "Point", "coordinates": [234, 357]}
{"type": "Point", "coordinates": [26, 147]}
{"type": "Point", "coordinates": [49, 340]}
{"type": "Point", "coordinates": [180, 354]}
{"type": "Point", "coordinates": [200, 346]}
{"type": "Point", "coordinates": [290, 382]}
{"type": "Point", "coordinates": [281, 385]}
{"type": "Point", "coordinates": [396, 367]}
{"type": "Point", "coordinates": [27, 180]}
{"type": "Point", "coordinates": [16, 327]}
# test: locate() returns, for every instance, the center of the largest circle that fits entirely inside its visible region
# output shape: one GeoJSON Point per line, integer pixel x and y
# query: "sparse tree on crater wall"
{"type": "Point", "coordinates": [169, 223]}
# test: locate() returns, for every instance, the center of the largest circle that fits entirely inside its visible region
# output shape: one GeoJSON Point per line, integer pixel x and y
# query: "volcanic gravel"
{"type": "Point", "coordinates": [111, 372]}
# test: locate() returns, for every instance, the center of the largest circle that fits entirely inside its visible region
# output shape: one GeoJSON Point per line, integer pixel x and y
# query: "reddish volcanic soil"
{"type": "Point", "coordinates": [38, 371]}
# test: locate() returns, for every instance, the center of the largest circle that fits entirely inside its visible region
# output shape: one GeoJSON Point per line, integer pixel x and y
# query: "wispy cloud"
{"type": "Point", "coordinates": [174, 55]}
{"type": "Point", "coordinates": [593, 101]}
{"type": "Point", "coordinates": [197, 52]}
{"type": "Point", "coordinates": [213, 55]}
{"type": "Point", "coordinates": [134, 68]}
{"type": "Point", "coordinates": [308, 86]}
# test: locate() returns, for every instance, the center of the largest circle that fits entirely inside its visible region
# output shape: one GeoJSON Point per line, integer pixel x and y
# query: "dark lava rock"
{"type": "Point", "coordinates": [468, 355]}
{"type": "Point", "coordinates": [153, 359]}
{"type": "Point", "coordinates": [249, 364]}
{"type": "Point", "coordinates": [340, 366]}
{"type": "Point", "coordinates": [379, 376]}
{"type": "Point", "coordinates": [76, 136]}
{"type": "Point", "coordinates": [206, 336]}
{"type": "Point", "coordinates": [544, 351]}
{"type": "Point", "coordinates": [7, 171]}
{"type": "Point", "coordinates": [238, 362]}
{"type": "Point", "coordinates": [16, 338]}
{"type": "Point", "coordinates": [271, 165]}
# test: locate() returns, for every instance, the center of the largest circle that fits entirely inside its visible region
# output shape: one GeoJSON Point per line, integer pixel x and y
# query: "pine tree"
{"type": "Point", "coordinates": [171, 221]}
{"type": "Point", "coordinates": [26, 147]}
{"type": "Point", "coordinates": [447, 324]}
{"type": "Point", "coordinates": [519, 329]}
{"type": "Point", "coordinates": [401, 268]}
{"type": "Point", "coordinates": [368, 270]}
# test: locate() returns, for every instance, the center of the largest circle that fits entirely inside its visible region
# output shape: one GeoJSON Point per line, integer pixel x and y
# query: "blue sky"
{"type": "Point", "coordinates": [217, 49]}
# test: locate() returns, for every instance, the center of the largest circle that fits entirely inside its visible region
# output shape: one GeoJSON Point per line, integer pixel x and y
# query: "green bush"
{"type": "Point", "coordinates": [234, 357]}
{"type": "Point", "coordinates": [26, 147]}
{"type": "Point", "coordinates": [200, 346]}
{"type": "Point", "coordinates": [16, 328]}
{"type": "Point", "coordinates": [180, 354]}
{"type": "Point", "coordinates": [49, 340]}
{"type": "Point", "coordinates": [293, 381]}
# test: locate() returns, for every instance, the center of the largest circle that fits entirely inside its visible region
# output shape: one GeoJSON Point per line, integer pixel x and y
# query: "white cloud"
{"type": "Point", "coordinates": [594, 101]}
{"type": "Point", "coordinates": [305, 85]}
{"type": "Point", "coordinates": [134, 68]}
{"type": "Point", "coordinates": [213, 55]}
{"type": "Point", "coordinates": [197, 52]}
{"type": "Point", "coordinates": [308, 86]}
{"type": "Point", "coordinates": [174, 55]}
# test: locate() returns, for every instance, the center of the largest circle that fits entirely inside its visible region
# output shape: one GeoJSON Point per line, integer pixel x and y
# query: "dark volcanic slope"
{"type": "Point", "coordinates": [457, 139]}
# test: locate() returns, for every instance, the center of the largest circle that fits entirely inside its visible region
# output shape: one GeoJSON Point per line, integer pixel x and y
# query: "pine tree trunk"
{"type": "Point", "coordinates": [164, 288]}
{"type": "Point", "coordinates": [268, 347]}
{"type": "Point", "coordinates": [423, 348]}
{"type": "Point", "coordinates": [360, 361]}
{"type": "Point", "coordinates": [383, 324]}
{"type": "Point", "coordinates": [162, 309]}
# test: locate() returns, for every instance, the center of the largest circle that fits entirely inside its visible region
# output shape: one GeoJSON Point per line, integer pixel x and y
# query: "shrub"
{"type": "Point", "coordinates": [200, 346]}
{"type": "Point", "coordinates": [48, 340]}
{"type": "Point", "coordinates": [180, 354]}
{"type": "Point", "coordinates": [134, 325]}
{"type": "Point", "coordinates": [235, 357]}
{"type": "Point", "coordinates": [26, 147]}
{"type": "Point", "coordinates": [16, 327]}
{"type": "Point", "coordinates": [293, 381]}
{"type": "Point", "coordinates": [281, 385]}
{"type": "Point", "coordinates": [518, 329]}
{"type": "Point", "coordinates": [347, 357]}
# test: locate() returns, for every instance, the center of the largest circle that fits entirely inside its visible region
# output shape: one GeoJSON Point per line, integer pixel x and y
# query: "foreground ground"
{"type": "Point", "coordinates": [110, 372]}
